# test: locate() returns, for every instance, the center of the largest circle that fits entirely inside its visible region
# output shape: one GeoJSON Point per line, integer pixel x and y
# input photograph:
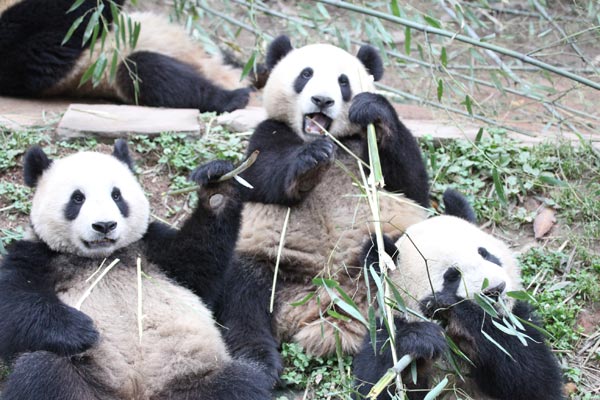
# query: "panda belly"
{"type": "Point", "coordinates": [157, 35]}
{"type": "Point", "coordinates": [179, 337]}
{"type": "Point", "coordinates": [325, 233]}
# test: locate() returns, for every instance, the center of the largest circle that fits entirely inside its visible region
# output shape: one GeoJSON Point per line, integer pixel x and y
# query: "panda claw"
{"type": "Point", "coordinates": [210, 172]}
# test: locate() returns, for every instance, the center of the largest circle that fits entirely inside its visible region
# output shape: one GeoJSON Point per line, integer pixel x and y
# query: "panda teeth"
{"type": "Point", "coordinates": [316, 123]}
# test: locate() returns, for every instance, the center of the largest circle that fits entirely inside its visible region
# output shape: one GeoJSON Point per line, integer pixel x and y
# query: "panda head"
{"type": "Point", "coordinates": [447, 249]}
{"type": "Point", "coordinates": [314, 85]}
{"type": "Point", "coordinates": [88, 203]}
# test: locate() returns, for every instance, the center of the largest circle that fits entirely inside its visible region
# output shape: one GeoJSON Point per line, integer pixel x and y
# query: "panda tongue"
{"type": "Point", "coordinates": [313, 122]}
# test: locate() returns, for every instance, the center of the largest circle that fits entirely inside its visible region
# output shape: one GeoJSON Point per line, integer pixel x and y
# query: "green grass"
{"type": "Point", "coordinates": [325, 378]}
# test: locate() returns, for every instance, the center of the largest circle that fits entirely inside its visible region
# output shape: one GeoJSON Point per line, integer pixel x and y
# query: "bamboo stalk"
{"type": "Point", "coordinates": [550, 105]}
{"type": "Point", "coordinates": [279, 250]}
{"type": "Point", "coordinates": [462, 38]}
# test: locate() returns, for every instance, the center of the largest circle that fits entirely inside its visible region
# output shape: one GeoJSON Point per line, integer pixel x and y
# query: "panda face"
{"type": "Point", "coordinates": [89, 204]}
{"type": "Point", "coordinates": [452, 250]}
{"type": "Point", "coordinates": [311, 88]}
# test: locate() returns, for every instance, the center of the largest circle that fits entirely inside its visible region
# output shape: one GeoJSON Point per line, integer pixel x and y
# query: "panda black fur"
{"type": "Point", "coordinates": [173, 70]}
{"type": "Point", "coordinates": [88, 207]}
{"type": "Point", "coordinates": [459, 257]}
{"type": "Point", "coordinates": [329, 219]}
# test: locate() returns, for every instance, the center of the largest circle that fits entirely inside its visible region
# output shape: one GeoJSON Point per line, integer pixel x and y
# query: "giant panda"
{"type": "Point", "coordinates": [172, 69]}
{"type": "Point", "coordinates": [309, 88]}
{"type": "Point", "coordinates": [69, 325]}
{"type": "Point", "coordinates": [442, 265]}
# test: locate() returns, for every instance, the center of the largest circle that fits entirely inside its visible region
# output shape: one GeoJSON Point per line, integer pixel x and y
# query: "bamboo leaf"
{"type": "Point", "coordinates": [372, 327]}
{"type": "Point", "coordinates": [92, 23]}
{"type": "Point", "coordinates": [75, 6]}
{"type": "Point", "coordinates": [99, 69]}
{"type": "Point", "coordinates": [498, 186]}
{"type": "Point", "coordinates": [136, 34]}
{"type": "Point", "coordinates": [521, 295]}
{"type": "Point", "coordinates": [488, 337]}
{"type": "Point", "coordinates": [479, 136]}
{"type": "Point", "coordinates": [339, 316]}
{"type": "Point", "coordinates": [323, 11]}
{"type": "Point", "coordinates": [484, 303]}
{"type": "Point", "coordinates": [432, 21]}
{"type": "Point", "coordinates": [304, 300]}
{"type": "Point", "coordinates": [395, 8]}
{"type": "Point", "coordinates": [444, 57]}
{"type": "Point", "coordinates": [72, 29]}
{"type": "Point", "coordinates": [440, 89]}
{"type": "Point", "coordinates": [87, 74]}
{"type": "Point", "coordinates": [249, 65]}
{"type": "Point", "coordinates": [407, 40]}
{"type": "Point", "coordinates": [113, 66]}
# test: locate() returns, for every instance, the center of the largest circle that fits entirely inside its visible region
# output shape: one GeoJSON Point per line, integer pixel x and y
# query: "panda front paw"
{"type": "Point", "coordinates": [211, 172]}
{"type": "Point", "coordinates": [236, 99]}
{"type": "Point", "coordinates": [319, 151]}
{"type": "Point", "coordinates": [370, 108]}
{"type": "Point", "coordinates": [74, 334]}
{"type": "Point", "coordinates": [422, 340]}
{"type": "Point", "coordinates": [311, 162]}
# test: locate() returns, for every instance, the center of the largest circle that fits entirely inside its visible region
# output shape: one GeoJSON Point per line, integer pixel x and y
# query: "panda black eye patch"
{"type": "Point", "coordinates": [120, 202]}
{"type": "Point", "coordinates": [486, 255]}
{"type": "Point", "coordinates": [302, 79]}
{"type": "Point", "coordinates": [74, 205]}
{"type": "Point", "coordinates": [344, 83]}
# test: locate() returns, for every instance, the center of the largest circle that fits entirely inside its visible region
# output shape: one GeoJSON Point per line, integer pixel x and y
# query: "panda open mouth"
{"type": "Point", "coordinates": [316, 123]}
{"type": "Point", "coordinates": [99, 244]}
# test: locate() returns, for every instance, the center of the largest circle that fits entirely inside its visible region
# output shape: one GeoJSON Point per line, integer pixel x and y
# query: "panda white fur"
{"type": "Point", "coordinates": [172, 69]}
{"type": "Point", "coordinates": [88, 211]}
{"type": "Point", "coordinates": [442, 264]}
{"type": "Point", "coordinates": [314, 85]}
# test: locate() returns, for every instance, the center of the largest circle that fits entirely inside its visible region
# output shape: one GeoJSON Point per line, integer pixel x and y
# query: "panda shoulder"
{"type": "Point", "coordinates": [270, 131]}
{"type": "Point", "coordinates": [27, 255]}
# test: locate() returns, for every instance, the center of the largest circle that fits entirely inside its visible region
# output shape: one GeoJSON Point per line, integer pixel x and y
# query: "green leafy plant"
{"type": "Point", "coordinates": [321, 376]}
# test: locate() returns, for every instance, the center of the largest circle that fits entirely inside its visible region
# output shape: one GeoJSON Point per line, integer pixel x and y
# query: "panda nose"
{"type": "Point", "coordinates": [495, 291]}
{"type": "Point", "coordinates": [322, 102]}
{"type": "Point", "coordinates": [104, 226]}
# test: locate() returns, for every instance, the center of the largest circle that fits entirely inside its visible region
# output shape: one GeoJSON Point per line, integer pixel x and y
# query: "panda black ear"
{"type": "Point", "coordinates": [35, 162]}
{"type": "Point", "coordinates": [121, 153]}
{"type": "Point", "coordinates": [458, 206]}
{"type": "Point", "coordinates": [277, 50]}
{"type": "Point", "coordinates": [370, 58]}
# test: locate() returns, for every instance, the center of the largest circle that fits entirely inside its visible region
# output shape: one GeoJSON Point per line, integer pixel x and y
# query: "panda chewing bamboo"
{"type": "Point", "coordinates": [443, 263]}
{"type": "Point", "coordinates": [310, 89]}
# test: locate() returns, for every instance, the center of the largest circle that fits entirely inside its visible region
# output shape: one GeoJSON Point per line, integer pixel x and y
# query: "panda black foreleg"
{"type": "Point", "coordinates": [422, 340]}
{"type": "Point", "coordinates": [167, 82]}
{"type": "Point", "coordinates": [43, 375]}
{"type": "Point", "coordinates": [198, 254]}
{"type": "Point", "coordinates": [400, 155]}
{"type": "Point", "coordinates": [287, 168]}
{"type": "Point", "coordinates": [238, 380]}
{"type": "Point", "coordinates": [243, 311]}
{"type": "Point", "coordinates": [531, 372]}
{"type": "Point", "coordinates": [32, 56]}
{"type": "Point", "coordinates": [32, 316]}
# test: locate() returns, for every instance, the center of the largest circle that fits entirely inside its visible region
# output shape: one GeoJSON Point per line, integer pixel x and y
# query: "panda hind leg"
{"type": "Point", "coordinates": [43, 375]}
{"type": "Point", "coordinates": [239, 380]}
{"type": "Point", "coordinates": [164, 81]}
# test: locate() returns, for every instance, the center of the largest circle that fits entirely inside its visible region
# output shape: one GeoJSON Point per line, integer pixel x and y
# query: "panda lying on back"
{"type": "Point", "coordinates": [88, 211]}
{"type": "Point", "coordinates": [310, 88]}
{"type": "Point", "coordinates": [442, 264]}
{"type": "Point", "coordinates": [172, 69]}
